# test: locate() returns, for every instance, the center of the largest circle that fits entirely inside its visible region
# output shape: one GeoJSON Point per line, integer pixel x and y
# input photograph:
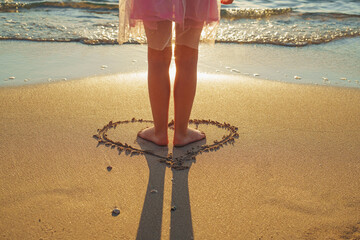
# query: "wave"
{"type": "Point", "coordinates": [87, 41]}
{"type": "Point", "coordinates": [236, 13]}
{"type": "Point", "coordinates": [331, 15]}
{"type": "Point", "coordinates": [279, 26]}
{"type": "Point", "coordinates": [279, 42]}
{"type": "Point", "coordinates": [232, 13]}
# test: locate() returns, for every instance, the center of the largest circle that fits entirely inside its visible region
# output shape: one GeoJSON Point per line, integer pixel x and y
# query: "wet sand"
{"type": "Point", "coordinates": [293, 173]}
{"type": "Point", "coordinates": [332, 64]}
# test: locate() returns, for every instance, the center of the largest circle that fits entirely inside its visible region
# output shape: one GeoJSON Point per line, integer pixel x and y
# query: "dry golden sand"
{"type": "Point", "coordinates": [292, 174]}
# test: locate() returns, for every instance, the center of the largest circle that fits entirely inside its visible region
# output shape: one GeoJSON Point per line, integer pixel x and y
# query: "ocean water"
{"type": "Point", "coordinates": [316, 40]}
{"type": "Point", "coordinates": [278, 22]}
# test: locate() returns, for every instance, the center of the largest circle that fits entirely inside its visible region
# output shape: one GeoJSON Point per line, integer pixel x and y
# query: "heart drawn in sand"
{"type": "Point", "coordinates": [175, 163]}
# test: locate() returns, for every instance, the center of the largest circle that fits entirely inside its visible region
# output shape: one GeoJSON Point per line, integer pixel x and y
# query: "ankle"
{"type": "Point", "coordinates": [180, 132]}
{"type": "Point", "coordinates": [161, 132]}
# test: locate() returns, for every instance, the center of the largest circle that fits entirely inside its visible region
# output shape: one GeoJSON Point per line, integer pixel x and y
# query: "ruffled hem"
{"type": "Point", "coordinates": [132, 13]}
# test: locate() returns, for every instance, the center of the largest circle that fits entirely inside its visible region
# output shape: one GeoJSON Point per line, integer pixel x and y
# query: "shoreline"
{"type": "Point", "coordinates": [291, 174]}
{"type": "Point", "coordinates": [327, 64]}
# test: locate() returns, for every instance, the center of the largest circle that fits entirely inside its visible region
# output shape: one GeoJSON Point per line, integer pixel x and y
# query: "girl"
{"type": "Point", "coordinates": [156, 18]}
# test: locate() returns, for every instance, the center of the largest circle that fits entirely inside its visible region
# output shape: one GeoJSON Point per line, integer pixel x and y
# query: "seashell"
{"type": "Point", "coordinates": [115, 212]}
{"type": "Point", "coordinates": [297, 77]}
{"type": "Point", "coordinates": [11, 78]}
{"type": "Point", "coordinates": [104, 66]}
{"type": "Point", "coordinates": [235, 70]}
{"type": "Point", "coordinates": [154, 191]}
{"type": "Point", "coordinates": [26, 80]}
{"type": "Point", "coordinates": [325, 79]}
{"type": "Point", "coordinates": [343, 78]}
{"type": "Point", "coordinates": [256, 74]}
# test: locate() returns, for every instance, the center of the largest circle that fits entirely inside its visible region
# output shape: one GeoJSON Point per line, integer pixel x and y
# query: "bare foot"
{"type": "Point", "coordinates": [191, 136]}
{"type": "Point", "coordinates": [149, 135]}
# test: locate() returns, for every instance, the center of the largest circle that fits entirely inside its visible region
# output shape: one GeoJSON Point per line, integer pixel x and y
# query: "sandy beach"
{"type": "Point", "coordinates": [293, 173]}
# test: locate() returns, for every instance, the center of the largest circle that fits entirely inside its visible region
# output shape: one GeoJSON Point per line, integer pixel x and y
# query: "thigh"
{"type": "Point", "coordinates": [189, 33]}
{"type": "Point", "coordinates": [158, 34]}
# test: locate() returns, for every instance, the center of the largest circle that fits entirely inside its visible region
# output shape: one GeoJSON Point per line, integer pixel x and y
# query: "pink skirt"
{"type": "Point", "coordinates": [132, 13]}
{"type": "Point", "coordinates": [175, 10]}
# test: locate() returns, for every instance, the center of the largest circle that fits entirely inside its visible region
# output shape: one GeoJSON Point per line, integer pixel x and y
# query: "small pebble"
{"type": "Point", "coordinates": [228, 67]}
{"type": "Point", "coordinates": [256, 74]}
{"type": "Point", "coordinates": [49, 79]}
{"type": "Point", "coordinates": [357, 81]}
{"type": "Point", "coordinates": [64, 79]}
{"type": "Point", "coordinates": [344, 79]}
{"type": "Point", "coordinates": [325, 79]}
{"type": "Point", "coordinates": [154, 191]}
{"type": "Point", "coordinates": [134, 61]}
{"type": "Point", "coordinates": [26, 80]}
{"type": "Point", "coordinates": [173, 208]}
{"type": "Point", "coordinates": [235, 70]}
{"type": "Point", "coordinates": [115, 212]}
{"type": "Point", "coordinates": [349, 81]}
{"type": "Point", "coordinates": [11, 78]}
{"type": "Point", "coordinates": [104, 66]}
{"type": "Point", "coordinates": [109, 168]}
{"type": "Point", "coordinates": [297, 77]}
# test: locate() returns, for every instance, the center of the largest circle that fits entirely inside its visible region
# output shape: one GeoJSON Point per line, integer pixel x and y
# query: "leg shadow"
{"type": "Point", "coordinates": [151, 216]}
{"type": "Point", "coordinates": [181, 221]}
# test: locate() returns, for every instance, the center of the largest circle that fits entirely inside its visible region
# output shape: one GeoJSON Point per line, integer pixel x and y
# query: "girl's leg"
{"type": "Point", "coordinates": [186, 59]}
{"type": "Point", "coordinates": [159, 85]}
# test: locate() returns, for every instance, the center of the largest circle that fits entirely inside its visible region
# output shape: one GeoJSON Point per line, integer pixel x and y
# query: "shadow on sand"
{"type": "Point", "coordinates": [152, 212]}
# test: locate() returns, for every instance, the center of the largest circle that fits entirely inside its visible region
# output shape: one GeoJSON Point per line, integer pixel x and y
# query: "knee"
{"type": "Point", "coordinates": [185, 55]}
{"type": "Point", "coordinates": [160, 57]}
